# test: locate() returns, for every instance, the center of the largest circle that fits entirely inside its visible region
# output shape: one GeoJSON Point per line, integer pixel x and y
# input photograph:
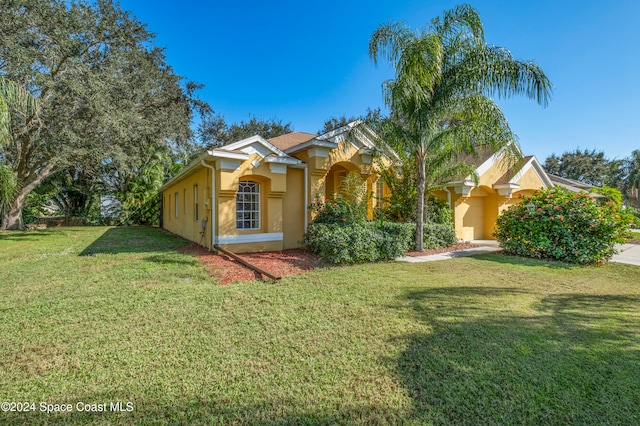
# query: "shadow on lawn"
{"type": "Point", "coordinates": [34, 235]}
{"type": "Point", "coordinates": [575, 359]}
{"type": "Point", "coordinates": [133, 239]}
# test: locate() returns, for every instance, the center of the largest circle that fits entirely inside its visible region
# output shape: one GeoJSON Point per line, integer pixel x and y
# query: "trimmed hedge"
{"type": "Point", "coordinates": [564, 226]}
{"type": "Point", "coordinates": [359, 242]}
{"type": "Point", "coordinates": [437, 235]}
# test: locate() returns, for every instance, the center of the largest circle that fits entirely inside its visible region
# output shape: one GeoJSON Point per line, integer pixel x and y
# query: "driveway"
{"type": "Point", "coordinates": [627, 253]}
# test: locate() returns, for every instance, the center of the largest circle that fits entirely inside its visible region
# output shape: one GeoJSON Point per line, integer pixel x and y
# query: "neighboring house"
{"type": "Point", "coordinates": [574, 185]}
{"type": "Point", "coordinates": [475, 208]}
{"type": "Point", "coordinates": [253, 195]}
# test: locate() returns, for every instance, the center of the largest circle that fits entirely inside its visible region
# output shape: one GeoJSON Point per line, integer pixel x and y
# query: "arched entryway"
{"type": "Point", "coordinates": [334, 178]}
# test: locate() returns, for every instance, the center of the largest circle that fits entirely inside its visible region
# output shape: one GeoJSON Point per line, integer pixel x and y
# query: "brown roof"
{"type": "Point", "coordinates": [292, 139]}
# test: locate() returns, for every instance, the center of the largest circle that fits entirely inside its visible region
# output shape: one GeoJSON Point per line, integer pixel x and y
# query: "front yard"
{"type": "Point", "coordinates": [93, 316]}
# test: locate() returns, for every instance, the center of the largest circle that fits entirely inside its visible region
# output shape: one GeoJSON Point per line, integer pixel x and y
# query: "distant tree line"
{"type": "Point", "coordinates": [594, 168]}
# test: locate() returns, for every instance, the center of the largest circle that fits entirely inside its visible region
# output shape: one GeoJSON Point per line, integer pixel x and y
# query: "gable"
{"type": "Point", "coordinates": [497, 173]}
{"type": "Point", "coordinates": [356, 135]}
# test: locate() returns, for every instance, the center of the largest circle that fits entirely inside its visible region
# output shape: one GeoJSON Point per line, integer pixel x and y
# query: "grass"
{"type": "Point", "coordinates": [100, 315]}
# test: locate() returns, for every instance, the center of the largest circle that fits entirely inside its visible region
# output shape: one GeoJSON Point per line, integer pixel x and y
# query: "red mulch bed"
{"type": "Point", "coordinates": [278, 263]}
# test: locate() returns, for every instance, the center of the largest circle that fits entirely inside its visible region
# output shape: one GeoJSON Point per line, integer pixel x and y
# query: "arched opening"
{"type": "Point", "coordinates": [334, 178]}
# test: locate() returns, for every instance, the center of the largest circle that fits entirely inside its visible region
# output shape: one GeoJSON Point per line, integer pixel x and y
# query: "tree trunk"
{"type": "Point", "coordinates": [421, 164]}
{"type": "Point", "coordinates": [12, 217]}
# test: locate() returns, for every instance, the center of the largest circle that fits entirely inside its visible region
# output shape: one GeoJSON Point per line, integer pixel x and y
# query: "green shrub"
{"type": "Point", "coordinates": [337, 210]}
{"type": "Point", "coordinates": [437, 235]}
{"type": "Point", "coordinates": [396, 238]}
{"type": "Point", "coordinates": [562, 225]}
{"type": "Point", "coordinates": [358, 242]}
{"type": "Point", "coordinates": [439, 211]}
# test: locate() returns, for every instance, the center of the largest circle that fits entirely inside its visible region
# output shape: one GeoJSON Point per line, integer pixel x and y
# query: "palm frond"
{"type": "Point", "coordinates": [13, 97]}
{"type": "Point", "coordinates": [8, 186]}
{"type": "Point", "coordinates": [503, 75]}
{"type": "Point", "coordinates": [389, 40]}
{"type": "Point", "coordinates": [462, 19]}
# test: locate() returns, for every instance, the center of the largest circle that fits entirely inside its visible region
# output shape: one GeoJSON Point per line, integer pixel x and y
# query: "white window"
{"type": "Point", "coordinates": [195, 201]}
{"type": "Point", "coordinates": [177, 204]}
{"type": "Point", "coordinates": [248, 205]}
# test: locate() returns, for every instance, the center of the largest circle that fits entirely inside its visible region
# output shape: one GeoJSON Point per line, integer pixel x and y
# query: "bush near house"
{"type": "Point", "coordinates": [557, 224]}
{"type": "Point", "coordinates": [340, 234]}
{"type": "Point", "coordinates": [438, 235]}
{"type": "Point", "coordinates": [359, 242]}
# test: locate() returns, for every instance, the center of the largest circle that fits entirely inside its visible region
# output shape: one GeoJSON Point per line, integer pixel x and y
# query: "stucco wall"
{"type": "Point", "coordinates": [273, 186]}
{"type": "Point", "coordinates": [294, 209]}
{"type": "Point", "coordinates": [185, 223]}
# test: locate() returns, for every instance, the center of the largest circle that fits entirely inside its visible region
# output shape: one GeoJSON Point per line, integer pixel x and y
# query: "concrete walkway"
{"type": "Point", "coordinates": [627, 253]}
{"type": "Point", "coordinates": [485, 246]}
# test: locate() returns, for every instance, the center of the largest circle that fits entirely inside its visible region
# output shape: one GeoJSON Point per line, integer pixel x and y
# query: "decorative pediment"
{"type": "Point", "coordinates": [463, 188]}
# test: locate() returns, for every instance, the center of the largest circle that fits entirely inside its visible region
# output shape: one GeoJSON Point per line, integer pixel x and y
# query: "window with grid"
{"type": "Point", "coordinates": [248, 205]}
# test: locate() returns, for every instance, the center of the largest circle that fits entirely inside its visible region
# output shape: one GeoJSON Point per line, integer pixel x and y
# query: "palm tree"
{"type": "Point", "coordinates": [439, 98]}
{"type": "Point", "coordinates": [12, 98]}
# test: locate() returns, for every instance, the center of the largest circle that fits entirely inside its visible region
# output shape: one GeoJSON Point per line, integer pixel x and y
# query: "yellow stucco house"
{"type": "Point", "coordinates": [253, 195]}
{"type": "Point", "coordinates": [475, 207]}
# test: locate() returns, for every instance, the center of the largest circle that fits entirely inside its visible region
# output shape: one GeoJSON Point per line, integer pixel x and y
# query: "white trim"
{"type": "Point", "coordinates": [279, 169]}
{"type": "Point", "coordinates": [228, 164]}
{"type": "Point", "coordinates": [283, 160]}
{"type": "Point", "coordinates": [339, 130]}
{"type": "Point", "coordinates": [506, 189]}
{"type": "Point", "coordinates": [463, 188]}
{"type": "Point", "coordinates": [321, 152]}
{"type": "Point", "coordinates": [214, 206]}
{"type": "Point", "coordinates": [250, 238]}
{"type": "Point", "coordinates": [219, 153]}
{"type": "Point", "coordinates": [259, 139]}
{"type": "Point", "coordinates": [312, 143]}
{"type": "Point", "coordinates": [255, 190]}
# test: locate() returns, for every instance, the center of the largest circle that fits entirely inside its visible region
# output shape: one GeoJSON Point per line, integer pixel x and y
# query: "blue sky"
{"type": "Point", "coordinates": [304, 62]}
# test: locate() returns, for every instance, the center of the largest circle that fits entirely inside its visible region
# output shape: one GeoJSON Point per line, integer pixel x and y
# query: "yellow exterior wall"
{"type": "Point", "coordinates": [294, 209]}
{"type": "Point", "coordinates": [273, 186]}
{"type": "Point", "coordinates": [495, 172]}
{"type": "Point", "coordinates": [530, 180]}
{"type": "Point", "coordinates": [469, 218]}
{"type": "Point", "coordinates": [186, 225]}
{"type": "Point", "coordinates": [491, 209]}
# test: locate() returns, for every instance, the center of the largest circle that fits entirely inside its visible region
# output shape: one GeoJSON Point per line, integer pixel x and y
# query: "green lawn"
{"type": "Point", "coordinates": [100, 315]}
